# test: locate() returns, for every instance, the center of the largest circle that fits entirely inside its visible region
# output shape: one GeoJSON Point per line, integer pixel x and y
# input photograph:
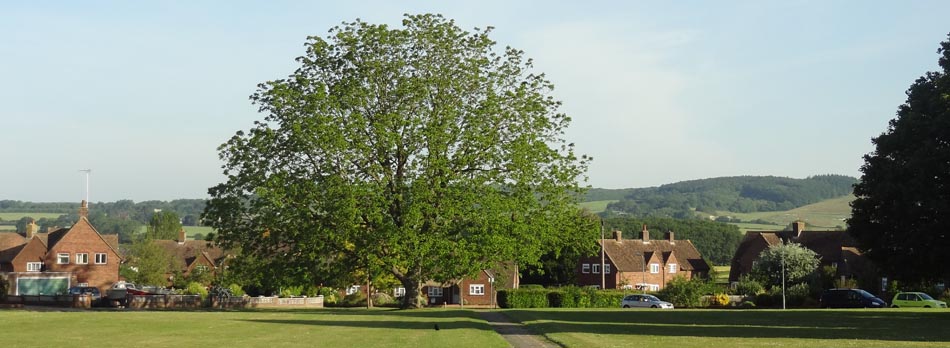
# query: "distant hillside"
{"type": "Point", "coordinates": [740, 194]}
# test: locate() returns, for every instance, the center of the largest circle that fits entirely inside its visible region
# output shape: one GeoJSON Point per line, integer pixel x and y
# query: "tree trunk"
{"type": "Point", "coordinates": [413, 298]}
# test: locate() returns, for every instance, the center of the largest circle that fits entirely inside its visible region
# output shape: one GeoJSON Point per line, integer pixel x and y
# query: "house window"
{"type": "Point", "coordinates": [585, 268]}
{"type": "Point", "coordinates": [606, 268]}
{"type": "Point", "coordinates": [476, 289]}
{"type": "Point", "coordinates": [201, 268]}
{"type": "Point", "coordinates": [435, 291]}
{"type": "Point", "coordinates": [672, 268]}
{"type": "Point", "coordinates": [100, 258]}
{"type": "Point", "coordinates": [399, 292]}
{"type": "Point", "coordinates": [34, 266]}
{"type": "Point", "coordinates": [596, 269]}
{"type": "Point", "coordinates": [82, 258]}
{"type": "Point", "coordinates": [62, 258]}
{"type": "Point", "coordinates": [654, 268]}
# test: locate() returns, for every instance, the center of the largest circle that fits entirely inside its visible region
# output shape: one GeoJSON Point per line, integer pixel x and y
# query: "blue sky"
{"type": "Point", "coordinates": [143, 93]}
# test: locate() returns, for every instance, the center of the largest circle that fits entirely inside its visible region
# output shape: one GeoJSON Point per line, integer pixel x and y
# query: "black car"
{"type": "Point", "coordinates": [850, 298]}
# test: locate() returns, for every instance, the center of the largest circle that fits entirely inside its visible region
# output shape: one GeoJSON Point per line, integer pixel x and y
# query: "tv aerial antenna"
{"type": "Point", "coordinates": [87, 171]}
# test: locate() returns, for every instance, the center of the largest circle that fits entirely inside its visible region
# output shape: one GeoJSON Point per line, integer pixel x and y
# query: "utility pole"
{"type": "Point", "coordinates": [87, 171]}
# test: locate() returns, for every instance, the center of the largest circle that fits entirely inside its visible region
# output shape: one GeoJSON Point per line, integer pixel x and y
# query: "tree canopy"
{"type": "Point", "coordinates": [901, 215]}
{"type": "Point", "coordinates": [799, 263]}
{"type": "Point", "coordinates": [164, 225]}
{"type": "Point", "coordinates": [422, 151]}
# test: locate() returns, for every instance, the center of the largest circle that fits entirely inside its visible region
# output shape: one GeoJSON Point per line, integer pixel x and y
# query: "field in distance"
{"type": "Point", "coordinates": [827, 214]}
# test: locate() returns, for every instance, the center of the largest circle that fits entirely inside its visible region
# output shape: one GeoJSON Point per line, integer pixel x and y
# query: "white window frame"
{"type": "Point", "coordinates": [399, 292]}
{"type": "Point", "coordinates": [654, 268]}
{"type": "Point", "coordinates": [672, 267]}
{"type": "Point", "coordinates": [62, 258]}
{"type": "Point", "coordinates": [606, 268]}
{"type": "Point", "coordinates": [434, 291]}
{"type": "Point", "coordinates": [101, 258]}
{"type": "Point", "coordinates": [476, 289]}
{"type": "Point", "coordinates": [585, 268]}
{"type": "Point", "coordinates": [34, 266]}
{"type": "Point", "coordinates": [82, 258]}
{"type": "Point", "coordinates": [596, 268]}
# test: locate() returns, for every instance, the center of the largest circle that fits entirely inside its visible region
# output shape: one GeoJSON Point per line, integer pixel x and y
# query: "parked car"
{"type": "Point", "coordinates": [647, 301]}
{"type": "Point", "coordinates": [850, 298]}
{"type": "Point", "coordinates": [916, 299]}
{"type": "Point", "coordinates": [86, 290]}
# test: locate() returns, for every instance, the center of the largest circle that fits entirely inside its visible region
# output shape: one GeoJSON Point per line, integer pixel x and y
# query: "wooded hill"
{"type": "Point", "coordinates": [742, 194]}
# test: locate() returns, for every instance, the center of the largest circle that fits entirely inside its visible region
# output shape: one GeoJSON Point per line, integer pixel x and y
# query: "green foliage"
{"type": "Point", "coordinates": [164, 225]}
{"type": "Point", "coordinates": [196, 289]}
{"type": "Point", "coordinates": [330, 295]}
{"type": "Point", "coordinates": [737, 194]}
{"type": "Point", "coordinates": [4, 287]}
{"type": "Point", "coordinates": [748, 286]}
{"type": "Point", "coordinates": [716, 241]}
{"type": "Point", "coordinates": [356, 299]}
{"type": "Point", "coordinates": [236, 290]}
{"type": "Point", "coordinates": [151, 262]}
{"type": "Point", "coordinates": [901, 215]}
{"type": "Point", "coordinates": [390, 148]}
{"type": "Point", "coordinates": [685, 293]}
{"type": "Point", "coordinates": [799, 263]}
{"type": "Point", "coordinates": [291, 291]}
{"type": "Point", "coordinates": [564, 297]}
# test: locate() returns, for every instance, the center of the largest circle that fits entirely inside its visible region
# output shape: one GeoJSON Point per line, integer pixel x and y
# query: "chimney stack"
{"type": "Point", "coordinates": [797, 228]}
{"type": "Point", "coordinates": [84, 210]}
{"type": "Point", "coordinates": [669, 236]}
{"type": "Point", "coordinates": [181, 236]}
{"type": "Point", "coordinates": [644, 234]}
{"type": "Point", "coordinates": [618, 235]}
{"type": "Point", "coordinates": [31, 229]}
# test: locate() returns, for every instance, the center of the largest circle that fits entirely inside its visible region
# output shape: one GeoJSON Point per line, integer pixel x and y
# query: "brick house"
{"type": "Point", "coordinates": [641, 263]}
{"type": "Point", "coordinates": [47, 263]}
{"type": "Point", "coordinates": [834, 248]}
{"type": "Point", "coordinates": [194, 254]}
{"type": "Point", "coordinates": [477, 290]}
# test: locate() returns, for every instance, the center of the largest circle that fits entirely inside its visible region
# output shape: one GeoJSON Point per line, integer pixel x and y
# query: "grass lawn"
{"type": "Point", "coordinates": [18, 216]}
{"type": "Point", "coordinates": [293, 328]}
{"type": "Point", "coordinates": [596, 206]}
{"type": "Point", "coordinates": [190, 231]}
{"type": "Point", "coordinates": [826, 214]}
{"type": "Point", "coordinates": [722, 274]}
{"type": "Point", "coordinates": [740, 328]}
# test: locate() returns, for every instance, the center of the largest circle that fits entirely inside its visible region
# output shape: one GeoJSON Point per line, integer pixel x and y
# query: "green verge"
{"type": "Point", "coordinates": [596, 206]}
{"type": "Point", "coordinates": [328, 327]}
{"type": "Point", "coordinates": [739, 328]}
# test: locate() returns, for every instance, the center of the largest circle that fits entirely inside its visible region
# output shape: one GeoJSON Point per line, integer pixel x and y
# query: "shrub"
{"type": "Point", "coordinates": [330, 296]}
{"type": "Point", "coordinates": [526, 298]}
{"type": "Point", "coordinates": [605, 298]}
{"type": "Point", "coordinates": [236, 290]}
{"type": "Point", "coordinates": [355, 299]}
{"type": "Point", "coordinates": [721, 300]}
{"type": "Point", "coordinates": [748, 287]}
{"type": "Point", "coordinates": [747, 304]}
{"type": "Point", "coordinates": [796, 295]}
{"type": "Point", "coordinates": [4, 288]}
{"type": "Point", "coordinates": [383, 299]}
{"type": "Point", "coordinates": [195, 288]}
{"type": "Point", "coordinates": [684, 292]}
{"type": "Point", "coordinates": [291, 291]}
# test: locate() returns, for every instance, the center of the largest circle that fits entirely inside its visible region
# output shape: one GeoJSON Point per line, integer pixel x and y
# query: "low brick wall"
{"type": "Point", "coordinates": [269, 302]}
{"type": "Point", "coordinates": [164, 301]}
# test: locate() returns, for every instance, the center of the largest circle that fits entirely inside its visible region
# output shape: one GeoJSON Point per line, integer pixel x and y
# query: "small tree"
{"type": "Point", "coordinates": [684, 292]}
{"type": "Point", "coordinates": [799, 262]}
{"type": "Point", "coordinates": [164, 225]}
{"type": "Point", "coordinates": [150, 263]}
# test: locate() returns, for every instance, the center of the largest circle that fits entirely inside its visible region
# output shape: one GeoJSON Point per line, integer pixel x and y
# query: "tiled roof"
{"type": "Point", "coordinates": [10, 239]}
{"type": "Point", "coordinates": [190, 249]}
{"type": "Point", "coordinates": [630, 255]}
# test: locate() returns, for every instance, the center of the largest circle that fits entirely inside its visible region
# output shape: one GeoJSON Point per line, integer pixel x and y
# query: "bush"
{"type": "Point", "coordinates": [330, 295]}
{"type": "Point", "coordinates": [721, 300]}
{"type": "Point", "coordinates": [525, 298]}
{"type": "Point", "coordinates": [748, 287]}
{"type": "Point", "coordinates": [383, 299]}
{"type": "Point", "coordinates": [747, 304]}
{"type": "Point", "coordinates": [356, 299]}
{"type": "Point", "coordinates": [195, 288]}
{"type": "Point", "coordinates": [291, 291]}
{"type": "Point", "coordinates": [684, 292]}
{"type": "Point", "coordinates": [4, 288]}
{"type": "Point", "coordinates": [236, 290]}
{"type": "Point", "coordinates": [796, 295]}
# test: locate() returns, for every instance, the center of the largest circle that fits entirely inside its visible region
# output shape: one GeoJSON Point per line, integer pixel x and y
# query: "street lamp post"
{"type": "Point", "coordinates": [603, 277]}
{"type": "Point", "coordinates": [783, 278]}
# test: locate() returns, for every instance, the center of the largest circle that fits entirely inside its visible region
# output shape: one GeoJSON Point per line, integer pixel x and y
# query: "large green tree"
{"type": "Point", "coordinates": [422, 151]}
{"type": "Point", "coordinates": [901, 217]}
{"type": "Point", "coordinates": [149, 264]}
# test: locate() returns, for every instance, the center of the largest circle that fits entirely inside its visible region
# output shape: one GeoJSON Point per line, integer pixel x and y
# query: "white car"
{"type": "Point", "coordinates": [644, 301]}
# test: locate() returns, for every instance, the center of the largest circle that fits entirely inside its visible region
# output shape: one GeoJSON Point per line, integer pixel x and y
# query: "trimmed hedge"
{"type": "Point", "coordinates": [566, 297]}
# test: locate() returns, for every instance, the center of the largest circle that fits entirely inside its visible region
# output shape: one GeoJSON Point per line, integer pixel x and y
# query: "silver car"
{"type": "Point", "coordinates": [646, 301]}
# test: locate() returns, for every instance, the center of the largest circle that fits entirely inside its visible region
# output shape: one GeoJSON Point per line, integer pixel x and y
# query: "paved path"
{"type": "Point", "coordinates": [515, 333]}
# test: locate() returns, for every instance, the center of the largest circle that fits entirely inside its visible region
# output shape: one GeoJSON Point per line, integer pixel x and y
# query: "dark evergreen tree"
{"type": "Point", "coordinates": [901, 217]}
